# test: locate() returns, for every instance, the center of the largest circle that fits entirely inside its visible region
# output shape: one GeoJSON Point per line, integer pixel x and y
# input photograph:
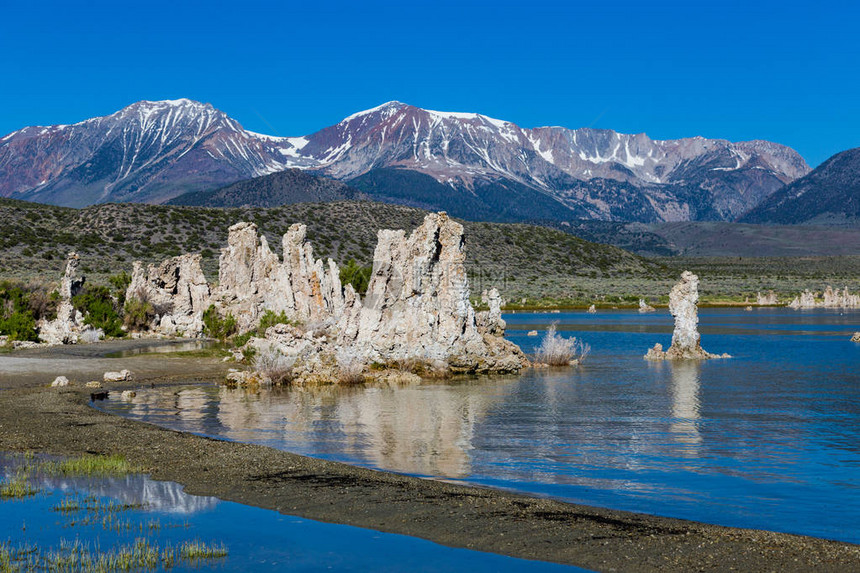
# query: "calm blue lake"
{"type": "Point", "coordinates": [163, 515]}
{"type": "Point", "coordinates": [768, 439]}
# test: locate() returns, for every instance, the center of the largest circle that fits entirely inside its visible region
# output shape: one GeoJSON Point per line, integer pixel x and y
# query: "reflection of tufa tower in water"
{"type": "Point", "coordinates": [685, 404]}
{"type": "Point", "coordinates": [417, 429]}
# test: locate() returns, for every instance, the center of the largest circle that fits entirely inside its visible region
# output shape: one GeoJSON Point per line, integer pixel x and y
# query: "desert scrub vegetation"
{"type": "Point", "coordinates": [22, 306]}
{"type": "Point", "coordinates": [549, 267]}
{"type": "Point", "coordinates": [555, 350]}
{"type": "Point", "coordinates": [356, 275]}
{"type": "Point", "coordinates": [271, 363]}
{"type": "Point", "coordinates": [217, 326]}
{"type": "Point", "coordinates": [100, 309]}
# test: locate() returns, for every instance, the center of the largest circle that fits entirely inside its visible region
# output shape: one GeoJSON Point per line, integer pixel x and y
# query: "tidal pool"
{"type": "Point", "coordinates": [125, 511]}
{"type": "Point", "coordinates": [769, 439]}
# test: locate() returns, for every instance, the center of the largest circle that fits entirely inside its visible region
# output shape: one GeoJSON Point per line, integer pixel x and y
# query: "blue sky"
{"type": "Point", "coordinates": [784, 71]}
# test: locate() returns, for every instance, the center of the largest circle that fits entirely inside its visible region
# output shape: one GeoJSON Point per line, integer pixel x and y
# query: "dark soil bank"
{"type": "Point", "coordinates": [60, 421]}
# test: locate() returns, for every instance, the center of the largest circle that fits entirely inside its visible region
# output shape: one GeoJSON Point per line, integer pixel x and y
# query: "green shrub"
{"type": "Point", "coordinates": [137, 314]}
{"type": "Point", "coordinates": [270, 319]}
{"type": "Point", "coordinates": [217, 327]}
{"type": "Point", "coordinates": [120, 284]}
{"type": "Point", "coordinates": [16, 318]}
{"type": "Point", "coordinates": [356, 275]}
{"type": "Point", "coordinates": [99, 310]}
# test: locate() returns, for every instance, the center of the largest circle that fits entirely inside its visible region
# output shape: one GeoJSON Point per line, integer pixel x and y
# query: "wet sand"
{"type": "Point", "coordinates": [60, 421]}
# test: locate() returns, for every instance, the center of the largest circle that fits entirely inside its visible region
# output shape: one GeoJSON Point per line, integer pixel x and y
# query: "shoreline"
{"type": "Point", "coordinates": [61, 421]}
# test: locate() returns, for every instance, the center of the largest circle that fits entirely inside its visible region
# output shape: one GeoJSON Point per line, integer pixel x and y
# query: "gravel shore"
{"type": "Point", "coordinates": [60, 421]}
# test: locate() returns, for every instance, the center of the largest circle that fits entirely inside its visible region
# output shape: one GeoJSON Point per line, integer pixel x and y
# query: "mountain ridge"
{"type": "Point", "coordinates": [829, 194]}
{"type": "Point", "coordinates": [155, 151]}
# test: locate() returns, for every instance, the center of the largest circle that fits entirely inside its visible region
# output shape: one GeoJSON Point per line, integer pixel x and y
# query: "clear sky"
{"type": "Point", "coordinates": [785, 71]}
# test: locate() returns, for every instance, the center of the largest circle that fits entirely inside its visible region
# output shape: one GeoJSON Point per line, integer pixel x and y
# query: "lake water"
{"type": "Point", "coordinates": [120, 511]}
{"type": "Point", "coordinates": [768, 439]}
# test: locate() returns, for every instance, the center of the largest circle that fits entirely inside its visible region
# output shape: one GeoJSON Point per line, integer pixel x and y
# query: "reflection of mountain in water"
{"type": "Point", "coordinates": [164, 496]}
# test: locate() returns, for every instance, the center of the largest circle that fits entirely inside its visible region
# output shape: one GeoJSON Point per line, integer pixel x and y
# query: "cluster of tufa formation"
{"type": "Point", "coordinates": [177, 291]}
{"type": "Point", "coordinates": [830, 299]}
{"type": "Point", "coordinates": [683, 304]}
{"type": "Point", "coordinates": [416, 308]}
{"type": "Point", "coordinates": [768, 299]}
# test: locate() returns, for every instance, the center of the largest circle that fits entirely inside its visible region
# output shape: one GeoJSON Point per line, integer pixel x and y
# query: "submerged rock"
{"type": "Point", "coordinates": [683, 304]}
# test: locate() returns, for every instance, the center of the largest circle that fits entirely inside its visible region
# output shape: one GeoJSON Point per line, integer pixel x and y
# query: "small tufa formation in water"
{"type": "Point", "coordinates": [855, 337]}
{"type": "Point", "coordinates": [645, 307]}
{"type": "Point", "coordinates": [686, 343]}
{"type": "Point", "coordinates": [830, 299]}
{"type": "Point", "coordinates": [592, 309]}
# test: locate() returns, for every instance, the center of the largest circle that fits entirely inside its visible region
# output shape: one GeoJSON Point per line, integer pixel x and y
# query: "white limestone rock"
{"type": "Point", "coordinates": [683, 304]}
{"type": "Point", "coordinates": [66, 328]}
{"type": "Point", "coordinates": [60, 381]}
{"type": "Point", "coordinates": [645, 307]}
{"type": "Point", "coordinates": [178, 292]}
{"type": "Point", "coordinates": [490, 321]}
{"type": "Point", "coordinates": [592, 309]}
{"type": "Point", "coordinates": [417, 305]}
{"type": "Point", "coordinates": [768, 299]}
{"type": "Point", "coordinates": [121, 376]}
{"type": "Point", "coordinates": [252, 279]}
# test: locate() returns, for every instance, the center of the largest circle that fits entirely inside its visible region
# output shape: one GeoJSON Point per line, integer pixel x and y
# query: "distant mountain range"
{"type": "Point", "coordinates": [829, 195]}
{"type": "Point", "coordinates": [273, 190]}
{"type": "Point", "coordinates": [467, 163]}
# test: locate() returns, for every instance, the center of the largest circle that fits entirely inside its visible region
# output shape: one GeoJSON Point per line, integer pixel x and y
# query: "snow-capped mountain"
{"type": "Point", "coordinates": [146, 152]}
{"type": "Point", "coordinates": [152, 151]}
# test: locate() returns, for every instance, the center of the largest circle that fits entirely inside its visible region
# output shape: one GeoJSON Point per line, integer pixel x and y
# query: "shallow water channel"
{"type": "Point", "coordinates": [769, 439]}
{"type": "Point", "coordinates": [104, 515]}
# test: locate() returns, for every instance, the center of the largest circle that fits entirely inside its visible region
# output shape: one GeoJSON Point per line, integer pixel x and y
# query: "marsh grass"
{"type": "Point", "coordinates": [198, 550]}
{"type": "Point", "coordinates": [143, 554]}
{"type": "Point", "coordinates": [94, 506]}
{"type": "Point", "coordinates": [89, 466]}
{"type": "Point", "coordinates": [18, 487]}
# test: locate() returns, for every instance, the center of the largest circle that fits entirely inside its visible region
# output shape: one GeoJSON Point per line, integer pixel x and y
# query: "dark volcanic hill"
{"type": "Point", "coordinates": [274, 190]}
{"type": "Point", "coordinates": [829, 195]}
{"type": "Point", "coordinates": [489, 168]}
